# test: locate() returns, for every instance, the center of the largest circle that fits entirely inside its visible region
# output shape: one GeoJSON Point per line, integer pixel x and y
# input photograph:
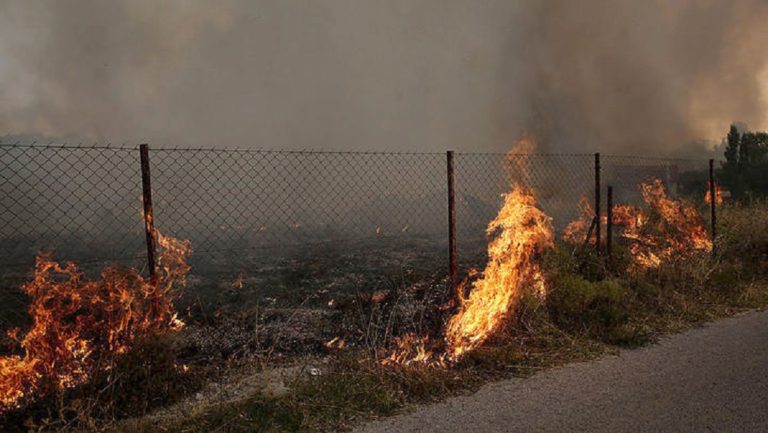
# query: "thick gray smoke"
{"type": "Point", "coordinates": [629, 76]}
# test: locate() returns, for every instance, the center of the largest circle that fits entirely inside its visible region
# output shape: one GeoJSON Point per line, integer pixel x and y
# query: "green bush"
{"type": "Point", "coordinates": [559, 260]}
{"type": "Point", "coordinates": [598, 309]}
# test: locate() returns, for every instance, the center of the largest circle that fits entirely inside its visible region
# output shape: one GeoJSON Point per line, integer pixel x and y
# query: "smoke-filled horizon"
{"type": "Point", "coordinates": [651, 77]}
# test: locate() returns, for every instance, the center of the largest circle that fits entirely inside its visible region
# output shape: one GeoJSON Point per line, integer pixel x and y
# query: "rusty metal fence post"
{"type": "Point", "coordinates": [597, 202]}
{"type": "Point", "coordinates": [713, 204]}
{"type": "Point", "coordinates": [149, 221]}
{"type": "Point", "coordinates": [452, 262]}
{"type": "Point", "coordinates": [609, 223]}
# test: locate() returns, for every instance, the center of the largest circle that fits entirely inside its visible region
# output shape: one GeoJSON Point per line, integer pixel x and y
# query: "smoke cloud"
{"type": "Point", "coordinates": [643, 77]}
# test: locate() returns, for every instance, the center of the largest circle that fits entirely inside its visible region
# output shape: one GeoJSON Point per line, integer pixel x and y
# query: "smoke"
{"type": "Point", "coordinates": [650, 76]}
{"type": "Point", "coordinates": [623, 76]}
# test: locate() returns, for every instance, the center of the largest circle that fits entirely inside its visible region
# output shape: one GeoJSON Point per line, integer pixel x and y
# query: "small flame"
{"type": "Point", "coordinates": [76, 322]}
{"type": "Point", "coordinates": [718, 194]}
{"type": "Point", "coordinates": [412, 349]}
{"type": "Point", "coordinates": [577, 230]}
{"type": "Point", "coordinates": [237, 283]}
{"type": "Point", "coordinates": [336, 343]}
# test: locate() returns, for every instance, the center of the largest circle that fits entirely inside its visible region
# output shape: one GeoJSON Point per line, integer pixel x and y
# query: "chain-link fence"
{"type": "Point", "coordinates": [286, 227]}
{"type": "Point", "coordinates": [297, 223]}
{"type": "Point", "coordinates": [558, 180]}
{"type": "Point", "coordinates": [80, 204]}
{"type": "Point", "coordinates": [688, 178]}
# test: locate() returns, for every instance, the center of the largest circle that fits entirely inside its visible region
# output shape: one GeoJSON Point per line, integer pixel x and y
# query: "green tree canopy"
{"type": "Point", "coordinates": [745, 170]}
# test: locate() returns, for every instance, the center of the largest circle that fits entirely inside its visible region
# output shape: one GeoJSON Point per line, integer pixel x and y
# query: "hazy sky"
{"type": "Point", "coordinates": [642, 77]}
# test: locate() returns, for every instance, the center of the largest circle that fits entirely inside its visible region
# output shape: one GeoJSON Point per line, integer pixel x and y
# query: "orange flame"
{"type": "Point", "coordinates": [576, 231]}
{"type": "Point", "coordinates": [718, 194]}
{"type": "Point", "coordinates": [413, 349]}
{"type": "Point", "coordinates": [238, 282]}
{"type": "Point", "coordinates": [78, 324]}
{"type": "Point", "coordinates": [520, 232]}
{"type": "Point", "coordinates": [524, 231]}
{"type": "Point", "coordinates": [664, 229]}
{"type": "Point", "coordinates": [679, 230]}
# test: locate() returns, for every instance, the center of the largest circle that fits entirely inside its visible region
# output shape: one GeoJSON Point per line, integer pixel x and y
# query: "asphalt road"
{"type": "Point", "coordinates": [712, 379]}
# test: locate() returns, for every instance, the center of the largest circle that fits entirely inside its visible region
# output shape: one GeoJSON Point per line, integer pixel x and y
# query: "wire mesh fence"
{"type": "Point", "coordinates": [288, 228]}
{"type": "Point", "coordinates": [298, 223]}
{"type": "Point", "coordinates": [225, 200]}
{"type": "Point", "coordinates": [683, 178]}
{"type": "Point", "coordinates": [558, 181]}
{"type": "Point", "coordinates": [80, 204]}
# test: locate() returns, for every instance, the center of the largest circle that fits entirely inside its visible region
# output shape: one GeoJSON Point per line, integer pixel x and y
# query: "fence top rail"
{"type": "Point", "coordinates": [295, 152]}
{"type": "Point", "coordinates": [532, 154]}
{"type": "Point", "coordinates": [69, 146]}
{"type": "Point", "coordinates": [609, 156]}
{"type": "Point", "coordinates": [125, 146]}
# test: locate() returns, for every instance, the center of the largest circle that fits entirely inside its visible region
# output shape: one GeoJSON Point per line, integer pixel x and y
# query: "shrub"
{"type": "Point", "coordinates": [145, 378]}
{"type": "Point", "coordinates": [598, 309]}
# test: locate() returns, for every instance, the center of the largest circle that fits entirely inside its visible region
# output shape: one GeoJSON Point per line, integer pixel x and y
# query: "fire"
{"type": "Point", "coordinates": [679, 228]}
{"type": "Point", "coordinates": [413, 349]}
{"type": "Point", "coordinates": [668, 228]}
{"type": "Point", "coordinates": [524, 231]}
{"type": "Point", "coordinates": [663, 229]}
{"type": "Point", "coordinates": [577, 230]}
{"type": "Point", "coordinates": [520, 232]}
{"type": "Point", "coordinates": [237, 283]}
{"type": "Point", "coordinates": [718, 194]}
{"type": "Point", "coordinates": [337, 343]}
{"type": "Point", "coordinates": [79, 324]}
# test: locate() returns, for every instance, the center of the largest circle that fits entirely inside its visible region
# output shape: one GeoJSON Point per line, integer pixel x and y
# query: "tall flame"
{"type": "Point", "coordinates": [523, 232]}
{"type": "Point", "coordinates": [520, 232]}
{"type": "Point", "coordinates": [77, 324]}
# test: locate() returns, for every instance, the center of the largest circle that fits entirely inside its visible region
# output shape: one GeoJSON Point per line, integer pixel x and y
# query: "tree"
{"type": "Point", "coordinates": [730, 172]}
{"type": "Point", "coordinates": [745, 170]}
{"type": "Point", "coordinates": [732, 149]}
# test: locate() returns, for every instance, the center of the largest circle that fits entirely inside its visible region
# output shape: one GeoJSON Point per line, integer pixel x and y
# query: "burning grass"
{"type": "Point", "coordinates": [661, 230]}
{"type": "Point", "coordinates": [79, 327]}
{"type": "Point", "coordinates": [512, 270]}
{"type": "Point", "coordinates": [519, 233]}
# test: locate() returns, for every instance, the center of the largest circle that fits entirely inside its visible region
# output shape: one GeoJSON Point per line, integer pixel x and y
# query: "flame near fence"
{"type": "Point", "coordinates": [291, 220]}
